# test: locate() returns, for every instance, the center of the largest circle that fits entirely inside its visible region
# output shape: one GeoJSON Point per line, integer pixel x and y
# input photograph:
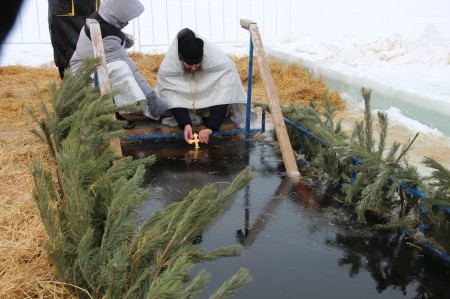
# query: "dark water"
{"type": "Point", "coordinates": [298, 240]}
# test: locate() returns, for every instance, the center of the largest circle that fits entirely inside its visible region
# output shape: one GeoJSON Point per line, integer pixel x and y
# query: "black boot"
{"type": "Point", "coordinates": [128, 124]}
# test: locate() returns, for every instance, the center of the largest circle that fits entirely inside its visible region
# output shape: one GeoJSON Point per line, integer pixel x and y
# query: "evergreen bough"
{"type": "Point", "coordinates": [379, 172]}
{"type": "Point", "coordinates": [438, 190]}
{"type": "Point", "coordinates": [89, 202]}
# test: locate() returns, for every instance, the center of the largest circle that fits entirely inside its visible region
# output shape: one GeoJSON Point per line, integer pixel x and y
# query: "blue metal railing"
{"type": "Point", "coordinates": [249, 90]}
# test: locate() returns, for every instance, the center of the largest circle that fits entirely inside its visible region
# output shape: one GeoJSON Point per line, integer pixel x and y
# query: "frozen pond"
{"type": "Point", "coordinates": [298, 241]}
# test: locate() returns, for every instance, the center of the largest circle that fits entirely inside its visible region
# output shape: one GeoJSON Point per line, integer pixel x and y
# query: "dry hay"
{"type": "Point", "coordinates": [148, 65]}
{"type": "Point", "coordinates": [293, 83]}
{"type": "Point", "coordinates": [25, 270]}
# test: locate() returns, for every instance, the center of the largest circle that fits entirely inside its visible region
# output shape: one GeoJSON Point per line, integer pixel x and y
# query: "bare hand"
{"type": "Point", "coordinates": [203, 135]}
{"type": "Point", "coordinates": [188, 133]}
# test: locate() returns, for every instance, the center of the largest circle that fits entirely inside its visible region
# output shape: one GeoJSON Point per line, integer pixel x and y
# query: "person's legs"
{"type": "Point", "coordinates": [61, 72]}
{"type": "Point", "coordinates": [128, 124]}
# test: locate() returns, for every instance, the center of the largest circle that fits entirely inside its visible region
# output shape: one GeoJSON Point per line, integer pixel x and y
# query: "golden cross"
{"type": "Point", "coordinates": [194, 140]}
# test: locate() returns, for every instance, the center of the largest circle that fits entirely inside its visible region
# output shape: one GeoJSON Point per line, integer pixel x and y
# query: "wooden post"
{"type": "Point", "coordinates": [274, 104]}
{"type": "Point", "coordinates": [102, 73]}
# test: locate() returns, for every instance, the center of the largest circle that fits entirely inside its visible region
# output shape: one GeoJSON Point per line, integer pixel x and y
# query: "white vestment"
{"type": "Point", "coordinates": [216, 82]}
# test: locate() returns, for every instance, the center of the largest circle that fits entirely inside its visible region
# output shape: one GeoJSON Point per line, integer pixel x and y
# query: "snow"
{"type": "Point", "coordinates": [397, 118]}
{"type": "Point", "coordinates": [413, 70]}
{"type": "Point", "coordinates": [399, 48]}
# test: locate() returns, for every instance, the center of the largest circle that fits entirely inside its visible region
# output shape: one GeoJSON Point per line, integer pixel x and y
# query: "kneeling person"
{"type": "Point", "coordinates": [113, 16]}
{"type": "Point", "coordinates": [199, 83]}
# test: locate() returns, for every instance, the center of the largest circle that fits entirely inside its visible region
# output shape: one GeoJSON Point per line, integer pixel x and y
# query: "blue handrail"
{"type": "Point", "coordinates": [249, 91]}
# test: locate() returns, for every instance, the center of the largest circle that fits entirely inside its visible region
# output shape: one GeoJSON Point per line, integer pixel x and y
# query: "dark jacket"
{"type": "Point", "coordinates": [10, 11]}
{"type": "Point", "coordinates": [65, 22]}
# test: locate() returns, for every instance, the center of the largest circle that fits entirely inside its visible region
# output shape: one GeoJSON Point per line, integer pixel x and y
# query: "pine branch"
{"type": "Point", "coordinates": [407, 147]}
{"type": "Point", "coordinates": [169, 283]}
{"type": "Point", "coordinates": [46, 198]}
{"type": "Point", "coordinates": [197, 285]}
{"type": "Point", "coordinates": [358, 133]}
{"type": "Point", "coordinates": [366, 93]}
{"type": "Point", "coordinates": [383, 123]}
{"type": "Point", "coordinates": [440, 176]}
{"type": "Point", "coordinates": [228, 288]}
{"type": "Point", "coordinates": [88, 259]}
{"type": "Point", "coordinates": [229, 251]}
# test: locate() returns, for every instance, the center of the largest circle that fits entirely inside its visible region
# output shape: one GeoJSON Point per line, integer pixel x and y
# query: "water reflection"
{"type": "Point", "coordinates": [202, 156]}
{"type": "Point", "coordinates": [248, 236]}
{"type": "Point", "coordinates": [295, 235]}
{"type": "Point", "coordinates": [306, 194]}
{"type": "Point", "coordinates": [393, 262]}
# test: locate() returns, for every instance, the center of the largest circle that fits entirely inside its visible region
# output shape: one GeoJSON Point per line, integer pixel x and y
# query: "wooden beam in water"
{"type": "Point", "coordinates": [274, 104]}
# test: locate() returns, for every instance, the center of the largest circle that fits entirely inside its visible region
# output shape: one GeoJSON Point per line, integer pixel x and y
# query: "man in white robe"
{"type": "Point", "coordinates": [198, 83]}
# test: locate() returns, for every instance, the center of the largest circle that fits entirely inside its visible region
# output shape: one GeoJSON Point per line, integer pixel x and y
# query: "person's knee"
{"type": "Point", "coordinates": [155, 104]}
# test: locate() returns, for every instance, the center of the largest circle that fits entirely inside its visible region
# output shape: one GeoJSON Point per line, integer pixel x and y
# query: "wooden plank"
{"type": "Point", "coordinates": [153, 127]}
{"type": "Point", "coordinates": [102, 73]}
{"type": "Point", "coordinates": [245, 23]}
{"type": "Point", "coordinates": [274, 104]}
